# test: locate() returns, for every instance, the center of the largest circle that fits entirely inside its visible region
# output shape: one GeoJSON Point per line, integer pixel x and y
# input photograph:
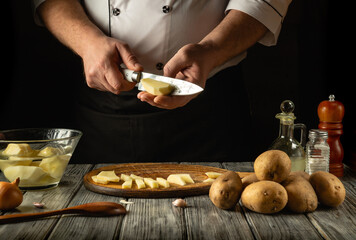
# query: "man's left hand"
{"type": "Point", "coordinates": [191, 63]}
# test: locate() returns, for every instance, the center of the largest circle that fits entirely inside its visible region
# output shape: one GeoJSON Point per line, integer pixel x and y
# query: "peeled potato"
{"type": "Point", "coordinates": [27, 174]}
{"type": "Point", "coordinates": [49, 152]}
{"type": "Point", "coordinates": [55, 166]}
{"type": "Point", "coordinates": [19, 149]}
{"type": "Point", "coordinates": [156, 87]}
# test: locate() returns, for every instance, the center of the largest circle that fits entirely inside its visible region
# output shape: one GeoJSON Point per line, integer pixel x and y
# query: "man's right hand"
{"type": "Point", "coordinates": [102, 59]}
{"type": "Point", "coordinates": [102, 55]}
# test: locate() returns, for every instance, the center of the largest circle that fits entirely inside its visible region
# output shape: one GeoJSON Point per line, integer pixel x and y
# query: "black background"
{"type": "Point", "coordinates": [313, 59]}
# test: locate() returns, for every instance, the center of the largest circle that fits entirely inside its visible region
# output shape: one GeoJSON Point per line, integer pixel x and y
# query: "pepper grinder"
{"type": "Point", "coordinates": [331, 113]}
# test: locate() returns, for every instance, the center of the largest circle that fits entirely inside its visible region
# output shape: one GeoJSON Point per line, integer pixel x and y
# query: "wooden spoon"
{"type": "Point", "coordinates": [89, 209]}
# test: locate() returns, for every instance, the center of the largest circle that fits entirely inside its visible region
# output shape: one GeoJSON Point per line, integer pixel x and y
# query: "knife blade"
{"type": "Point", "coordinates": [181, 87]}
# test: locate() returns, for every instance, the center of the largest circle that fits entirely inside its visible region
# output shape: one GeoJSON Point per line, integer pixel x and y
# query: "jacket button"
{"type": "Point", "coordinates": [166, 9]}
{"type": "Point", "coordinates": [159, 66]}
{"type": "Point", "coordinates": [116, 12]}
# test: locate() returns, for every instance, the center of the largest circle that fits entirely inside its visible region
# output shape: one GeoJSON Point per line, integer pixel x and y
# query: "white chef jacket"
{"type": "Point", "coordinates": [156, 29]}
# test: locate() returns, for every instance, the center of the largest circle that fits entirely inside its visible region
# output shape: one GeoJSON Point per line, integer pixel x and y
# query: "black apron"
{"type": "Point", "coordinates": [121, 129]}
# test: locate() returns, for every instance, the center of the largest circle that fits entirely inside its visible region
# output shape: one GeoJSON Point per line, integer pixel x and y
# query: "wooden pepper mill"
{"type": "Point", "coordinates": [330, 114]}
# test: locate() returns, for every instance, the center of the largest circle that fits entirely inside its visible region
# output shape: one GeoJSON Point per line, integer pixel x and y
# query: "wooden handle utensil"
{"type": "Point", "coordinates": [89, 209]}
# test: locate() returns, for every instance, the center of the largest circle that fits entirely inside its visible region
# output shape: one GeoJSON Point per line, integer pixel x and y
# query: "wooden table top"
{"type": "Point", "coordinates": [159, 219]}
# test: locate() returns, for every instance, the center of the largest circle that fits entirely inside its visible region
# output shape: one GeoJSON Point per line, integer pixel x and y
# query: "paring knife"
{"type": "Point", "coordinates": [181, 87]}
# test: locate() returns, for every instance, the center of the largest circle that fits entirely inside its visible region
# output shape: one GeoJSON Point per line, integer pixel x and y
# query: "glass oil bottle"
{"type": "Point", "coordinates": [286, 141]}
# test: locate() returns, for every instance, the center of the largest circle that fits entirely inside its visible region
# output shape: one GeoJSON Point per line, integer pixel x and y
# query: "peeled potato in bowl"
{"type": "Point", "coordinates": [38, 156]}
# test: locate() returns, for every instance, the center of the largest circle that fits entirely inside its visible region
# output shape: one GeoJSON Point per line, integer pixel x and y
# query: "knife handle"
{"type": "Point", "coordinates": [131, 75]}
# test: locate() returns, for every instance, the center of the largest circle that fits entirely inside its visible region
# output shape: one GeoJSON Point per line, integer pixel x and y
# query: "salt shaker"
{"type": "Point", "coordinates": [318, 151]}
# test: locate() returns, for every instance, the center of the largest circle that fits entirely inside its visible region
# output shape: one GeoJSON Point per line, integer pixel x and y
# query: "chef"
{"type": "Point", "coordinates": [201, 41]}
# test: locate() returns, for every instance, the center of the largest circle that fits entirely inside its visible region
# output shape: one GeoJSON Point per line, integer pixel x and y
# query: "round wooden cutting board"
{"type": "Point", "coordinates": [154, 170]}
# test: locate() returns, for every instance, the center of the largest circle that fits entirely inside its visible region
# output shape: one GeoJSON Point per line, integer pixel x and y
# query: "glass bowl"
{"type": "Point", "coordinates": [38, 156]}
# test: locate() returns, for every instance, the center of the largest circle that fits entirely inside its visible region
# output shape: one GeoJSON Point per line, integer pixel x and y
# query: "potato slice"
{"type": "Point", "coordinates": [163, 182]}
{"type": "Point", "coordinates": [186, 177]}
{"type": "Point", "coordinates": [176, 179]}
{"type": "Point", "coordinates": [98, 180]}
{"type": "Point", "coordinates": [213, 174]}
{"type": "Point", "coordinates": [125, 177]}
{"type": "Point", "coordinates": [209, 180]}
{"type": "Point", "coordinates": [151, 182]}
{"type": "Point", "coordinates": [109, 176]}
{"type": "Point", "coordinates": [156, 87]}
{"type": "Point", "coordinates": [127, 184]}
{"type": "Point", "coordinates": [133, 176]}
{"type": "Point", "coordinates": [140, 183]}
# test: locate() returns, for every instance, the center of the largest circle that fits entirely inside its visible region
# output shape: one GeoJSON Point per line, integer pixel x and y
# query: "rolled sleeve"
{"type": "Point", "coordinates": [36, 17]}
{"type": "Point", "coordinates": [269, 12]}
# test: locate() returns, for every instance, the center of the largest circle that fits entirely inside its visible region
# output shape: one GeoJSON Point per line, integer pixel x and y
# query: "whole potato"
{"type": "Point", "coordinates": [264, 197]}
{"type": "Point", "coordinates": [273, 165]}
{"type": "Point", "coordinates": [226, 190]}
{"type": "Point", "coordinates": [301, 195]}
{"type": "Point", "coordinates": [329, 189]}
{"type": "Point", "coordinates": [248, 180]}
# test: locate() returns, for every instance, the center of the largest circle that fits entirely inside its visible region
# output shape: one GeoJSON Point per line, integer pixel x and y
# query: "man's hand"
{"type": "Point", "coordinates": [191, 63]}
{"type": "Point", "coordinates": [101, 55]}
{"type": "Point", "coordinates": [102, 59]}
{"type": "Point", "coordinates": [235, 34]}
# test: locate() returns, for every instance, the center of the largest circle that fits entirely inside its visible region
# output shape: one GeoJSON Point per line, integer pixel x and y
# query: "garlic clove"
{"type": "Point", "coordinates": [179, 203]}
{"type": "Point", "coordinates": [38, 204]}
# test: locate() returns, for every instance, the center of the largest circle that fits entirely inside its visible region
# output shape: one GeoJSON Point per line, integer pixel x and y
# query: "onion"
{"type": "Point", "coordinates": [10, 195]}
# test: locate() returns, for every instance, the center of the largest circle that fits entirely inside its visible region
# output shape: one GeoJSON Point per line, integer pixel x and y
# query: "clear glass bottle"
{"type": "Point", "coordinates": [286, 141]}
{"type": "Point", "coordinates": [318, 151]}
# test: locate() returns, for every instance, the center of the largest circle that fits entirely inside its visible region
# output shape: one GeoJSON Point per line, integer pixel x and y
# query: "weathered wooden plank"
{"type": "Point", "coordinates": [349, 181]}
{"type": "Point", "coordinates": [155, 218]}
{"type": "Point", "coordinates": [282, 225]}
{"type": "Point", "coordinates": [56, 198]}
{"type": "Point", "coordinates": [340, 222]}
{"type": "Point", "coordinates": [80, 227]}
{"type": "Point", "coordinates": [335, 223]}
{"type": "Point", "coordinates": [239, 166]}
{"type": "Point", "coordinates": [86, 227]}
{"type": "Point", "coordinates": [152, 219]}
{"type": "Point", "coordinates": [206, 221]}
